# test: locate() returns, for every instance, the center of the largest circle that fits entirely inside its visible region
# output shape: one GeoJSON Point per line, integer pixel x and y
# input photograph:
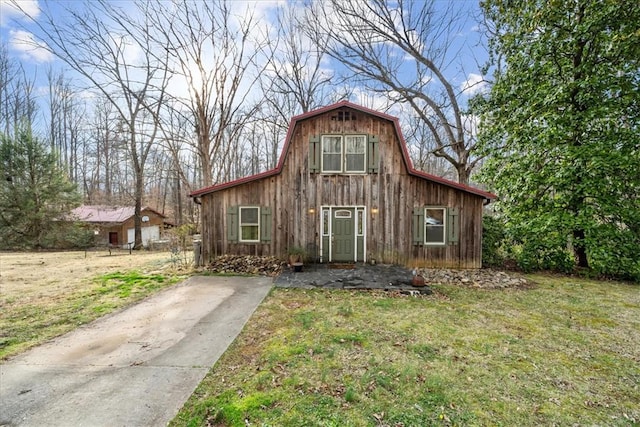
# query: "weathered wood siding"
{"type": "Point", "coordinates": [295, 197]}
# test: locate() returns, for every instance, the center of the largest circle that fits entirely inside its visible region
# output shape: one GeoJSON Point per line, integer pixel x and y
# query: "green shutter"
{"type": "Point", "coordinates": [453, 225]}
{"type": "Point", "coordinates": [373, 155]}
{"type": "Point", "coordinates": [418, 226]}
{"type": "Point", "coordinates": [232, 224]}
{"type": "Point", "coordinates": [265, 224]}
{"type": "Point", "coordinates": [314, 154]}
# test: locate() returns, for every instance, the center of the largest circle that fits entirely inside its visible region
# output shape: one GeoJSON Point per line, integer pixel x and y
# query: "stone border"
{"type": "Point", "coordinates": [480, 278]}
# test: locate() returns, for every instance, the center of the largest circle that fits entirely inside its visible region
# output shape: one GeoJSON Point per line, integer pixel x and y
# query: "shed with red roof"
{"type": "Point", "coordinates": [345, 190]}
{"type": "Point", "coordinates": [114, 225]}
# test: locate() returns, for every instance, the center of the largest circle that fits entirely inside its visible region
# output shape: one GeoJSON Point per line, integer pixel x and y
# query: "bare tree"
{"type": "Point", "coordinates": [421, 149]}
{"type": "Point", "coordinates": [213, 50]}
{"type": "Point", "coordinates": [295, 68]}
{"type": "Point", "coordinates": [113, 51]}
{"type": "Point", "coordinates": [18, 105]}
{"type": "Point", "coordinates": [401, 50]}
{"type": "Point", "coordinates": [67, 119]}
{"type": "Point", "coordinates": [294, 81]}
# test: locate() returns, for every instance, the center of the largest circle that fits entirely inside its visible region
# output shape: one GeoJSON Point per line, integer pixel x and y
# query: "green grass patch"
{"type": "Point", "coordinates": [25, 325]}
{"type": "Point", "coordinates": [562, 353]}
{"type": "Point", "coordinates": [125, 284]}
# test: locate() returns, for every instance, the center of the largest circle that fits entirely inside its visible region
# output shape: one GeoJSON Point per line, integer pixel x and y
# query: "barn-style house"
{"type": "Point", "coordinates": [345, 190]}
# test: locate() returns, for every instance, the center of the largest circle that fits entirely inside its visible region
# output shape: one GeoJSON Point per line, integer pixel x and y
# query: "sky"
{"type": "Point", "coordinates": [17, 34]}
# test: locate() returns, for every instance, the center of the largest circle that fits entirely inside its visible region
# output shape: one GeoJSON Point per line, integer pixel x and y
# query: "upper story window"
{"type": "Point", "coordinates": [334, 154]}
{"type": "Point", "coordinates": [344, 153]}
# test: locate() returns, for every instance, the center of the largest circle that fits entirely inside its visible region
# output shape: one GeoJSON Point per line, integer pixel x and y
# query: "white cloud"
{"type": "Point", "coordinates": [474, 84]}
{"type": "Point", "coordinates": [470, 123]}
{"type": "Point", "coordinates": [130, 51]}
{"type": "Point", "coordinates": [372, 100]}
{"type": "Point", "coordinates": [30, 49]}
{"type": "Point", "coordinates": [9, 11]}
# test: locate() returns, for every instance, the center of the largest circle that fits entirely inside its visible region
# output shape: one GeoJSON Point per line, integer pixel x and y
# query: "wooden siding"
{"type": "Point", "coordinates": [296, 196]}
{"type": "Point", "coordinates": [123, 228]}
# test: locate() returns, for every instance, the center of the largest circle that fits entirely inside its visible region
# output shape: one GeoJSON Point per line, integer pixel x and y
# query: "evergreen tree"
{"type": "Point", "coordinates": [562, 128]}
{"type": "Point", "coordinates": [35, 193]}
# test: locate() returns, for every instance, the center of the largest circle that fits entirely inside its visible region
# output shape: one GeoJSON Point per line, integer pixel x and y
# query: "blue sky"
{"type": "Point", "coordinates": [14, 29]}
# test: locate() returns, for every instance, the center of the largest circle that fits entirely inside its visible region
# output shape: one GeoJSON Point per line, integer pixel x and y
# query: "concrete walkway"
{"type": "Point", "coordinates": [136, 367]}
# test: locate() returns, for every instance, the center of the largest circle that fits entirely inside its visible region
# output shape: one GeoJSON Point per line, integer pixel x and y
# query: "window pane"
{"type": "Point", "coordinates": [434, 225]}
{"type": "Point", "coordinates": [355, 153]}
{"type": "Point", "coordinates": [332, 144]}
{"type": "Point", "coordinates": [435, 233]}
{"type": "Point", "coordinates": [343, 214]}
{"type": "Point", "coordinates": [332, 153]}
{"type": "Point", "coordinates": [435, 216]}
{"type": "Point", "coordinates": [354, 144]}
{"type": "Point", "coordinates": [249, 232]}
{"type": "Point", "coordinates": [331, 162]}
{"type": "Point", "coordinates": [355, 163]}
{"type": "Point", "coordinates": [325, 222]}
{"type": "Point", "coordinates": [248, 215]}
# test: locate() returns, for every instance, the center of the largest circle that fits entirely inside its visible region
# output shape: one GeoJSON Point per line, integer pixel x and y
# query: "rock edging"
{"type": "Point", "coordinates": [479, 278]}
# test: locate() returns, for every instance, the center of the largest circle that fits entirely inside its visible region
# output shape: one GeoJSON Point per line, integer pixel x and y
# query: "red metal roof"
{"type": "Point", "coordinates": [106, 214]}
{"type": "Point", "coordinates": [341, 104]}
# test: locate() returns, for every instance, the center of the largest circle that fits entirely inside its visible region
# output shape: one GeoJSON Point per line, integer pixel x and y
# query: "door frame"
{"type": "Point", "coordinates": [328, 233]}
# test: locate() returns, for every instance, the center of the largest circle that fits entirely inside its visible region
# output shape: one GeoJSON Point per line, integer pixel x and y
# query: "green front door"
{"type": "Point", "coordinates": [343, 235]}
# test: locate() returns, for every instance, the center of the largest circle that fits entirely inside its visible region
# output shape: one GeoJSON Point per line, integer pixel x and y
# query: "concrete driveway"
{"type": "Point", "coordinates": [136, 367]}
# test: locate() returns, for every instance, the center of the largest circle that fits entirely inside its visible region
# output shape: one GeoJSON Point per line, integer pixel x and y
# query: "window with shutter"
{"type": "Point", "coordinates": [435, 226]}
{"type": "Point", "coordinates": [343, 154]}
{"type": "Point", "coordinates": [250, 224]}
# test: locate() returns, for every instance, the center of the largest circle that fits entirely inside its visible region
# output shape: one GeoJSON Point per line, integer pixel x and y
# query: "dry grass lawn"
{"type": "Point", "coordinates": [43, 294]}
{"type": "Point", "coordinates": [45, 276]}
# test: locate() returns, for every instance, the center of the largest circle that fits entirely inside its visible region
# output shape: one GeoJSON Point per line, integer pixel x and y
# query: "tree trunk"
{"type": "Point", "coordinates": [138, 209]}
{"type": "Point", "coordinates": [463, 173]}
{"type": "Point", "coordinates": [579, 250]}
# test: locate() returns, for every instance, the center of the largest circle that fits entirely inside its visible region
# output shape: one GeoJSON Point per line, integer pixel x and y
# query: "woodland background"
{"type": "Point", "coordinates": [141, 102]}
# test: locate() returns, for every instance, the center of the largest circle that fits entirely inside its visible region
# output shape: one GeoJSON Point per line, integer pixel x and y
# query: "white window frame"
{"type": "Point", "coordinates": [248, 224]}
{"type": "Point", "coordinates": [343, 154]}
{"type": "Point", "coordinates": [326, 138]}
{"type": "Point", "coordinates": [443, 226]}
{"type": "Point", "coordinates": [364, 154]}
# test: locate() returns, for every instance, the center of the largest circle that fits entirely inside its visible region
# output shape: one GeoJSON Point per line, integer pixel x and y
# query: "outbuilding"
{"type": "Point", "coordinates": [114, 225]}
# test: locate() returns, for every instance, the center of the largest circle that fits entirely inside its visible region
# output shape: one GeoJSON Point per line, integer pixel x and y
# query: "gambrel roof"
{"type": "Point", "coordinates": [403, 145]}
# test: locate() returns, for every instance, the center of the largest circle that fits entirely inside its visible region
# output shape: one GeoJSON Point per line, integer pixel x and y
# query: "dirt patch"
{"type": "Point", "coordinates": [48, 275]}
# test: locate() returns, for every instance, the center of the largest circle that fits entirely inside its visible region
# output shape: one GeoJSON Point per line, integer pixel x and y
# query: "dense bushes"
{"type": "Point", "coordinates": [613, 253]}
{"type": "Point", "coordinates": [493, 239]}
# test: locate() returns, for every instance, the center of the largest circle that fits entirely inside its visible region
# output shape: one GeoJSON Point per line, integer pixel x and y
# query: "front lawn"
{"type": "Point", "coordinates": [564, 352]}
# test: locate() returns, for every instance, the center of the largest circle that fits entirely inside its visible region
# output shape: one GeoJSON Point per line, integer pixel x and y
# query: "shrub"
{"type": "Point", "coordinates": [493, 241]}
